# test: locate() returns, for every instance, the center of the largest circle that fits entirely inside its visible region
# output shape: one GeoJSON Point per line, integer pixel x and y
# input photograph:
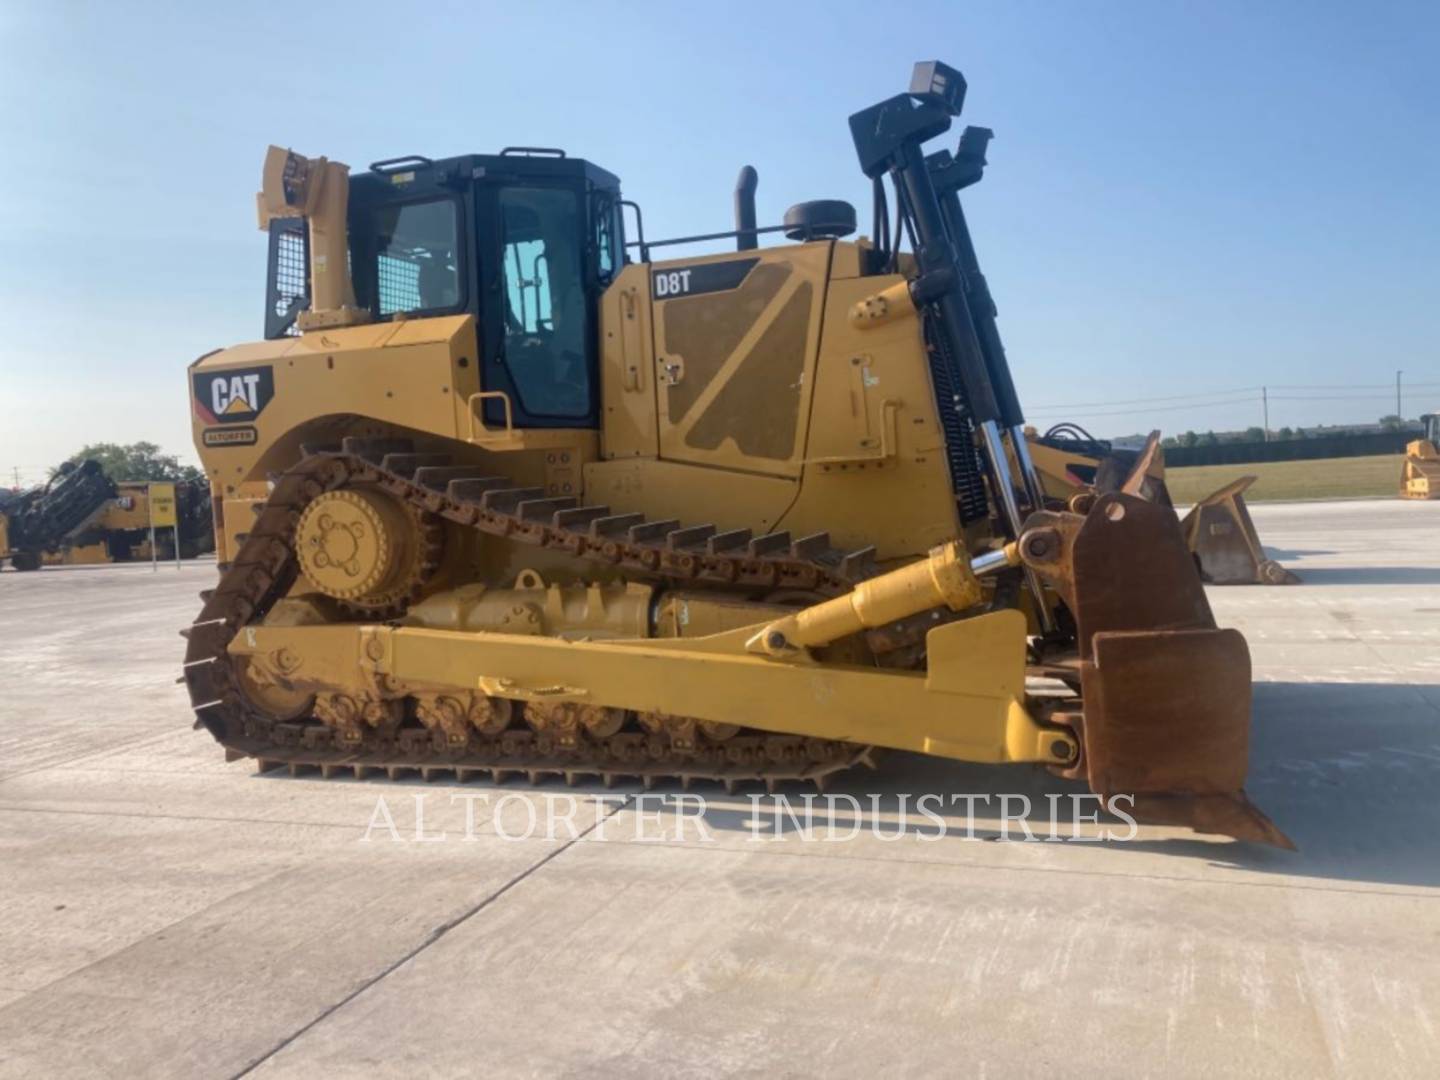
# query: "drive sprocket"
{"type": "Point", "coordinates": [362, 546]}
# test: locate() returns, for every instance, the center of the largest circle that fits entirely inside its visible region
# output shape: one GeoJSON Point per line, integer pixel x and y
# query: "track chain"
{"type": "Point", "coordinates": [265, 567]}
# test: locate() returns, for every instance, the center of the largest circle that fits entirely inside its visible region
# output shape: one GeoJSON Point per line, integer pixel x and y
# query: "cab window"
{"type": "Point", "coordinates": [605, 239]}
{"type": "Point", "coordinates": [544, 296]}
{"type": "Point", "coordinates": [416, 266]}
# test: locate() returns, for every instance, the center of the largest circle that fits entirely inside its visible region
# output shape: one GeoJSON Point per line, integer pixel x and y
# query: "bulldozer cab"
{"type": "Point", "coordinates": [525, 241]}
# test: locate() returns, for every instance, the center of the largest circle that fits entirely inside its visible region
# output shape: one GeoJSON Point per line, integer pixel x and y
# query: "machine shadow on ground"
{"type": "Point", "coordinates": [1347, 770]}
{"type": "Point", "coordinates": [1280, 554]}
{"type": "Point", "coordinates": [1367, 575]}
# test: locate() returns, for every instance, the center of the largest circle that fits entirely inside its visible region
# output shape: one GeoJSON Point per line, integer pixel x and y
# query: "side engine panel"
{"type": "Point", "coordinates": [737, 391]}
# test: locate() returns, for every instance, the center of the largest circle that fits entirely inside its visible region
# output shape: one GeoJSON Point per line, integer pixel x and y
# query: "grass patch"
{"type": "Point", "coordinates": [1323, 478]}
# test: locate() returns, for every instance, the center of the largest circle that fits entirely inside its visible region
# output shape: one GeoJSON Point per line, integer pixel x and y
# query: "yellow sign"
{"type": "Point", "coordinates": [162, 504]}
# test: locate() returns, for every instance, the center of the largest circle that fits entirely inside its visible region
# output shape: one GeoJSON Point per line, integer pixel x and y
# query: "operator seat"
{"type": "Point", "coordinates": [437, 284]}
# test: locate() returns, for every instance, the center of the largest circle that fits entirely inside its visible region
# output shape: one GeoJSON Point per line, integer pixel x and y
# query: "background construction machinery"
{"type": "Point", "coordinates": [1420, 475]}
{"type": "Point", "coordinates": [40, 520]}
{"type": "Point", "coordinates": [82, 517]}
{"type": "Point", "coordinates": [1218, 529]}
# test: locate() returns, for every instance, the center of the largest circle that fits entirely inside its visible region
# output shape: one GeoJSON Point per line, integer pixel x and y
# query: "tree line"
{"type": "Point", "coordinates": [132, 462]}
{"type": "Point", "coordinates": [1257, 434]}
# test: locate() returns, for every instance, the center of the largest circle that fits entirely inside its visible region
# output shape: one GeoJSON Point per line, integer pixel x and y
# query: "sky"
{"type": "Point", "coordinates": [1184, 201]}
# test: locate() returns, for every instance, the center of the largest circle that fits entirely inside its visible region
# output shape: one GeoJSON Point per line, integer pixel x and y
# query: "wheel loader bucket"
{"type": "Point", "coordinates": [1166, 713]}
{"type": "Point", "coordinates": [1221, 535]}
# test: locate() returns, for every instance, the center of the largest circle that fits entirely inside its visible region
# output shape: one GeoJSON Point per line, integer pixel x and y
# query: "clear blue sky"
{"type": "Point", "coordinates": [1182, 197]}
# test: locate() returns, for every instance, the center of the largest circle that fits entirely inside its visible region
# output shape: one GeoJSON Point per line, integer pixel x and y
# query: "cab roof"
{"type": "Point", "coordinates": [511, 164]}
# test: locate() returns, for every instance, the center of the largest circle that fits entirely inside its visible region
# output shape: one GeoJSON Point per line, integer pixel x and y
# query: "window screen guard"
{"type": "Point", "coordinates": [416, 264]}
{"type": "Point", "coordinates": [287, 285]}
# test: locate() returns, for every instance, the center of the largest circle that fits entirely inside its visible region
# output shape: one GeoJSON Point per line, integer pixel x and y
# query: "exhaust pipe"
{"type": "Point", "coordinates": [745, 185]}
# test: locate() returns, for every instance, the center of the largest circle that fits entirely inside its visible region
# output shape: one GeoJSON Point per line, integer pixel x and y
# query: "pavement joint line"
{"type": "Point", "coordinates": [1430, 894]}
{"type": "Point", "coordinates": [435, 935]}
{"type": "Point", "coordinates": [5, 809]}
{"type": "Point", "coordinates": [121, 745]}
{"type": "Point", "coordinates": [120, 771]}
{"type": "Point", "coordinates": [261, 883]}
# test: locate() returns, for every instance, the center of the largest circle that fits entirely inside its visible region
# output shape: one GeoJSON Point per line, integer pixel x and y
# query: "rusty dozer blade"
{"type": "Point", "coordinates": [1166, 716]}
{"type": "Point", "coordinates": [1220, 533]}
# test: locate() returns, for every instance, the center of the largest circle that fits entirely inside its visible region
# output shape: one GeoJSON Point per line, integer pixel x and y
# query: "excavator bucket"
{"type": "Point", "coordinates": [1221, 534]}
{"type": "Point", "coordinates": [1166, 693]}
{"type": "Point", "coordinates": [1420, 473]}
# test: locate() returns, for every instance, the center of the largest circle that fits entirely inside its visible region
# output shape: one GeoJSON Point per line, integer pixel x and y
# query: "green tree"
{"type": "Point", "coordinates": [135, 461]}
{"type": "Point", "coordinates": [1286, 433]}
{"type": "Point", "coordinates": [1392, 423]}
{"type": "Point", "coordinates": [1209, 439]}
{"type": "Point", "coordinates": [1189, 439]}
{"type": "Point", "coordinates": [1254, 434]}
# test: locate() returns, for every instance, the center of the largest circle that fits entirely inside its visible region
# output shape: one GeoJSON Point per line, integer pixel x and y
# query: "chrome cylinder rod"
{"type": "Point", "coordinates": [993, 561]}
{"type": "Point", "coordinates": [1005, 492]}
{"type": "Point", "coordinates": [1033, 487]}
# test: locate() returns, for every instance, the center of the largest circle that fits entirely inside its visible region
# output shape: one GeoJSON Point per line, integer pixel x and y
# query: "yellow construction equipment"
{"type": "Point", "coordinates": [37, 523]}
{"type": "Point", "coordinates": [1218, 529]}
{"type": "Point", "coordinates": [81, 518]}
{"type": "Point", "coordinates": [503, 493]}
{"type": "Point", "coordinates": [1420, 473]}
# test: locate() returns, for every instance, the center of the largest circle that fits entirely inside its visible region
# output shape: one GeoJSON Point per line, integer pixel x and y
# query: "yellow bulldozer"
{"type": "Point", "coordinates": [1420, 472]}
{"type": "Point", "coordinates": [504, 493]}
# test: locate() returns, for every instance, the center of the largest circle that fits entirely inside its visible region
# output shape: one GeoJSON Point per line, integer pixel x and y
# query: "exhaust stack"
{"type": "Point", "coordinates": [745, 185]}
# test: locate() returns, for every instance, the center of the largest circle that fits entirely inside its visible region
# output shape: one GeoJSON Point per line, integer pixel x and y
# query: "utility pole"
{"type": "Point", "coordinates": [1398, 413]}
{"type": "Point", "coordinates": [1265, 405]}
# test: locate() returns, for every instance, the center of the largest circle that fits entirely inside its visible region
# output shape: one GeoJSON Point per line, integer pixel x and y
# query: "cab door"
{"type": "Point", "coordinates": [537, 305]}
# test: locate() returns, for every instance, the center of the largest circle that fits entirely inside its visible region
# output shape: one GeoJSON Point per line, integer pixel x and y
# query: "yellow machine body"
{"type": "Point", "coordinates": [754, 566]}
{"type": "Point", "coordinates": [803, 423]}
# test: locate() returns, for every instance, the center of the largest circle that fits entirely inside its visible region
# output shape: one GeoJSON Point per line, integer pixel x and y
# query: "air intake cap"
{"type": "Point", "coordinates": [820, 219]}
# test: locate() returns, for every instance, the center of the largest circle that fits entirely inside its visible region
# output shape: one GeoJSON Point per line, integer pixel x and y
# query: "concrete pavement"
{"type": "Point", "coordinates": [166, 914]}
